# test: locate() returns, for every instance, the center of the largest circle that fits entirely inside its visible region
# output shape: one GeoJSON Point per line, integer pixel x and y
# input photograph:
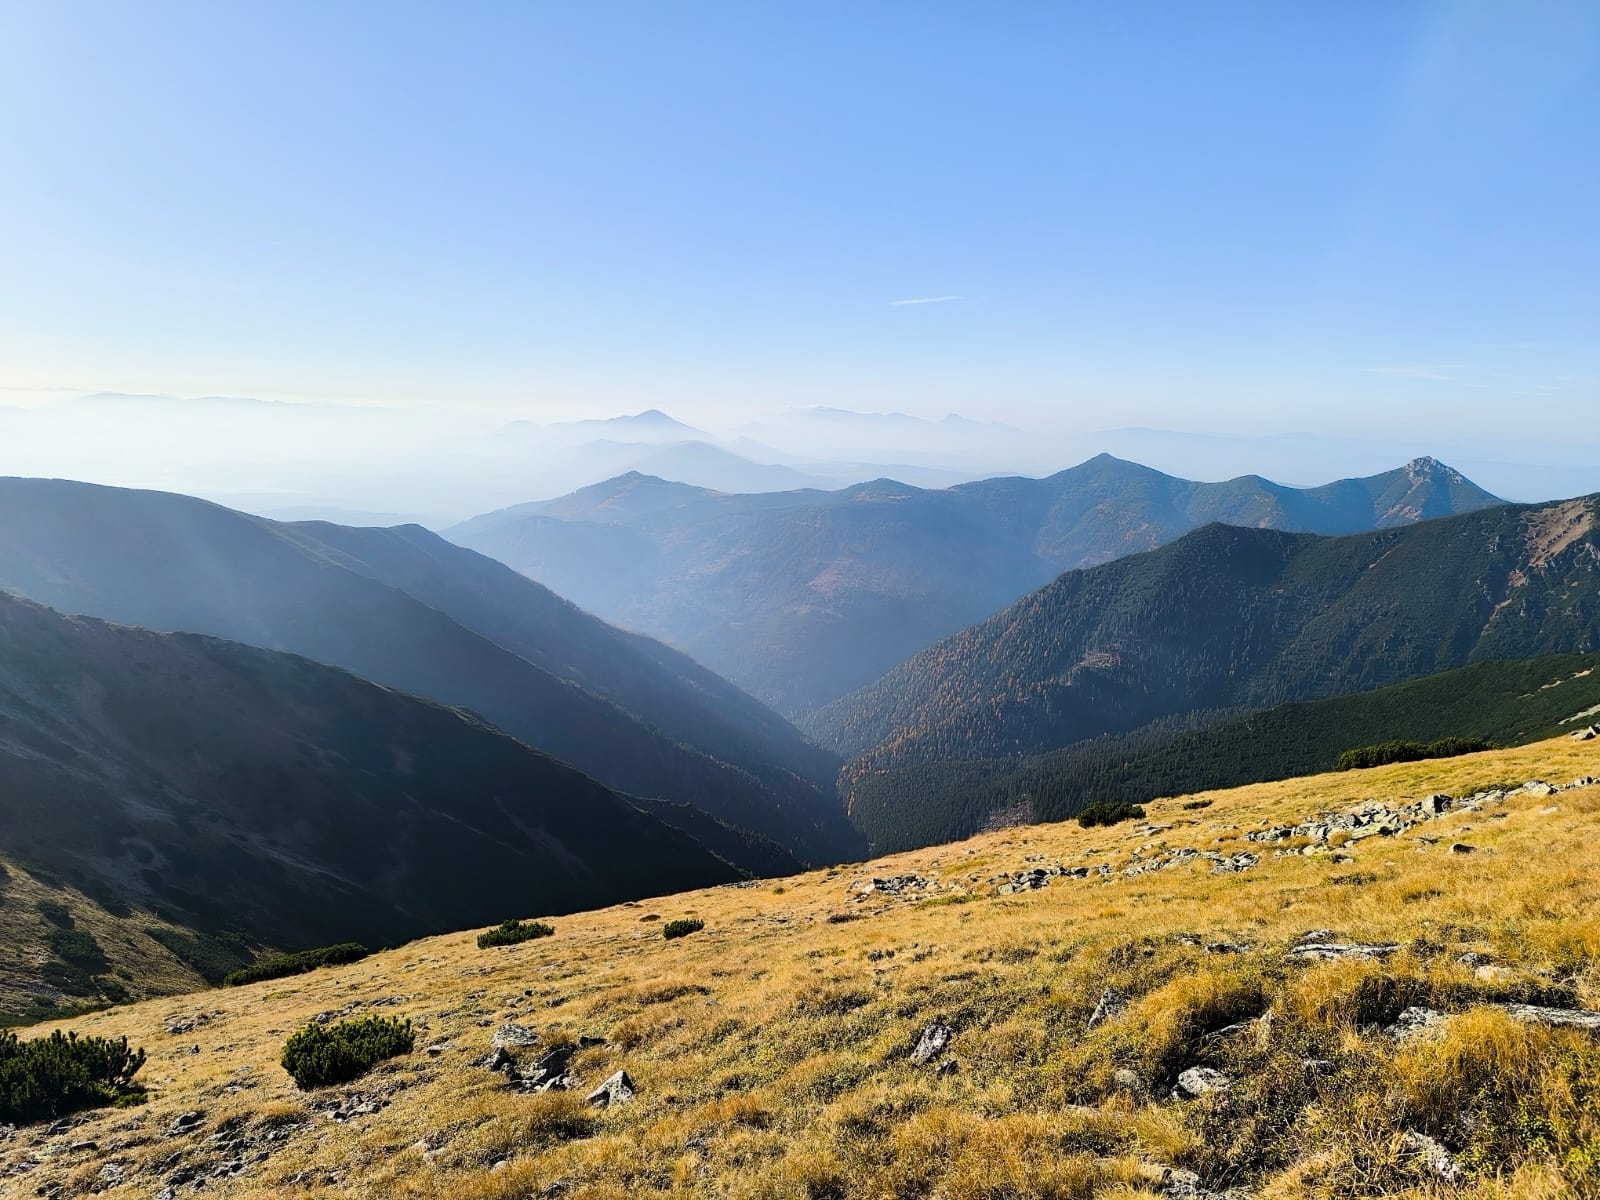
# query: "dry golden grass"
{"type": "Point", "coordinates": [771, 1051]}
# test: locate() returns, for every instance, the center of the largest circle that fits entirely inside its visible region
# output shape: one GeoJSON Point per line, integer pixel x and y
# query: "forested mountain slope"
{"type": "Point", "coordinates": [803, 596]}
{"type": "Point", "coordinates": [1235, 618]}
{"type": "Point", "coordinates": [233, 789]}
{"type": "Point", "coordinates": [407, 609]}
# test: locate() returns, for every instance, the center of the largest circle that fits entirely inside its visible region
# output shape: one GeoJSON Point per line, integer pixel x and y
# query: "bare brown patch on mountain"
{"type": "Point", "coordinates": [1551, 530]}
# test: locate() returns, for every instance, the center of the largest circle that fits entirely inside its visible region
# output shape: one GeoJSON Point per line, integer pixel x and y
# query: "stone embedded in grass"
{"type": "Point", "coordinates": [935, 1038]}
{"type": "Point", "coordinates": [550, 1074]}
{"type": "Point", "coordinates": [1199, 1081]}
{"type": "Point", "coordinates": [1328, 951]}
{"type": "Point", "coordinates": [1462, 848]}
{"type": "Point", "coordinates": [1416, 1023]}
{"type": "Point", "coordinates": [184, 1123]}
{"type": "Point", "coordinates": [512, 1036]}
{"type": "Point", "coordinates": [1112, 1003]}
{"type": "Point", "coordinates": [618, 1089]}
{"type": "Point", "coordinates": [1439, 1161]}
{"type": "Point", "coordinates": [1570, 1018]}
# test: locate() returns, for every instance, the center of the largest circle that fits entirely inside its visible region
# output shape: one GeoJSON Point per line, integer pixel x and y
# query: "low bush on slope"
{"type": "Point", "coordinates": [45, 1078]}
{"type": "Point", "coordinates": [323, 1054]}
{"type": "Point", "coordinates": [284, 965]}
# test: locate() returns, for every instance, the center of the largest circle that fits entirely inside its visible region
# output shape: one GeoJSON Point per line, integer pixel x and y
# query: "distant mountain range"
{"type": "Point", "coordinates": [1229, 618]}
{"type": "Point", "coordinates": [231, 788]}
{"type": "Point", "coordinates": [801, 597]}
{"type": "Point", "coordinates": [407, 609]}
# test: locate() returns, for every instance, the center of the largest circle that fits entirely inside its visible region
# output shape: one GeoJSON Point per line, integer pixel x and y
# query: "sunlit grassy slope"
{"type": "Point", "coordinates": [772, 1051]}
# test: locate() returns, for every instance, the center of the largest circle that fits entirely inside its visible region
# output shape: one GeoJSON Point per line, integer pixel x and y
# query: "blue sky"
{"type": "Point", "coordinates": [1211, 216]}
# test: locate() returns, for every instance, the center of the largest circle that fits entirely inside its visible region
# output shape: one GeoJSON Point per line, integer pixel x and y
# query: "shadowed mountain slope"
{"type": "Point", "coordinates": [803, 596]}
{"type": "Point", "coordinates": [409, 610]}
{"type": "Point", "coordinates": [232, 788]}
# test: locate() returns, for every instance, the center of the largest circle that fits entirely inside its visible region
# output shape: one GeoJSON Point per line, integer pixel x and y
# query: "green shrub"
{"type": "Point", "coordinates": [322, 1054]}
{"type": "Point", "coordinates": [682, 927]}
{"type": "Point", "coordinates": [213, 956]}
{"type": "Point", "coordinates": [77, 949]}
{"type": "Point", "coordinates": [47, 1078]}
{"type": "Point", "coordinates": [56, 913]}
{"type": "Point", "coordinates": [283, 965]}
{"type": "Point", "coordinates": [1385, 753]}
{"type": "Point", "coordinates": [510, 933]}
{"type": "Point", "coordinates": [1109, 813]}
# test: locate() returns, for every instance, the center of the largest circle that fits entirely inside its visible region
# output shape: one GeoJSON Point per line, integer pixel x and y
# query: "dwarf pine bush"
{"type": "Point", "coordinates": [511, 933]}
{"type": "Point", "coordinates": [284, 965]}
{"type": "Point", "coordinates": [682, 927]}
{"type": "Point", "coordinates": [50, 1077]}
{"type": "Point", "coordinates": [322, 1054]}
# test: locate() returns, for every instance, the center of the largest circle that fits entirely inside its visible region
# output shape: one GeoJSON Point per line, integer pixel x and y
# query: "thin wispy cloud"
{"type": "Point", "coordinates": [1444, 372]}
{"type": "Point", "coordinates": [925, 300]}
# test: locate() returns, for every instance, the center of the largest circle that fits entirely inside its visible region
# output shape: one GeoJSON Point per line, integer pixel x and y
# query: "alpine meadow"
{"type": "Point", "coordinates": [830, 602]}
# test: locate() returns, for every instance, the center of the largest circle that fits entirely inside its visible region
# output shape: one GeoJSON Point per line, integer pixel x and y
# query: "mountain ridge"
{"type": "Point", "coordinates": [375, 601]}
{"type": "Point", "coordinates": [1233, 617]}
{"type": "Point", "coordinates": [800, 597]}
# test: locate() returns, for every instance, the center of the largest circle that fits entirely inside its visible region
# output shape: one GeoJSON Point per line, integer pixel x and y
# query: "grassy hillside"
{"type": "Point", "coordinates": [409, 610]}
{"type": "Point", "coordinates": [1508, 703]}
{"type": "Point", "coordinates": [803, 596]}
{"type": "Point", "coordinates": [771, 1053]}
{"type": "Point", "coordinates": [1230, 618]}
{"type": "Point", "coordinates": [136, 951]}
{"type": "Point", "coordinates": [232, 789]}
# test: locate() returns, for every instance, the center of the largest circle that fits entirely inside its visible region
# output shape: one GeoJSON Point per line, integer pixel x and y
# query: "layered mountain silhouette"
{"type": "Point", "coordinates": [803, 596]}
{"type": "Point", "coordinates": [1230, 618]}
{"type": "Point", "coordinates": [232, 788]}
{"type": "Point", "coordinates": [407, 609]}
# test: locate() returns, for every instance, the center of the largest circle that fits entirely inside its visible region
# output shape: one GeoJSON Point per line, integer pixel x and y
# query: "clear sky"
{"type": "Point", "coordinates": [1205, 215]}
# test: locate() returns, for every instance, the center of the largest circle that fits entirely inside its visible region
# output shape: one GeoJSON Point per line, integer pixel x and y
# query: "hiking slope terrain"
{"type": "Point", "coordinates": [1231, 618]}
{"type": "Point", "coordinates": [409, 610]}
{"type": "Point", "coordinates": [803, 596]}
{"type": "Point", "coordinates": [231, 789]}
{"type": "Point", "coordinates": [1301, 989]}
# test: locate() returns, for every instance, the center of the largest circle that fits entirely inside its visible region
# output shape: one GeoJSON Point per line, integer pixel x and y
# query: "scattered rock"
{"type": "Point", "coordinates": [618, 1089]}
{"type": "Point", "coordinates": [1128, 1081]}
{"type": "Point", "coordinates": [1439, 1161]}
{"type": "Point", "coordinates": [1328, 951]}
{"type": "Point", "coordinates": [550, 1073]}
{"type": "Point", "coordinates": [1587, 735]}
{"type": "Point", "coordinates": [932, 1043]}
{"type": "Point", "coordinates": [898, 885]}
{"type": "Point", "coordinates": [512, 1036]}
{"type": "Point", "coordinates": [1112, 1003]}
{"type": "Point", "coordinates": [184, 1123]}
{"type": "Point", "coordinates": [1415, 1023]}
{"type": "Point", "coordinates": [436, 1049]}
{"type": "Point", "coordinates": [585, 1041]}
{"type": "Point", "coordinates": [1568, 1018]}
{"type": "Point", "coordinates": [1462, 848]}
{"type": "Point", "coordinates": [1199, 1081]}
{"type": "Point", "coordinates": [948, 1067]}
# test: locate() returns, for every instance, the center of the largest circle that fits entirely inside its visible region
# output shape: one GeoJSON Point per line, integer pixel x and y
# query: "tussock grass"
{"type": "Point", "coordinates": [772, 1056]}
